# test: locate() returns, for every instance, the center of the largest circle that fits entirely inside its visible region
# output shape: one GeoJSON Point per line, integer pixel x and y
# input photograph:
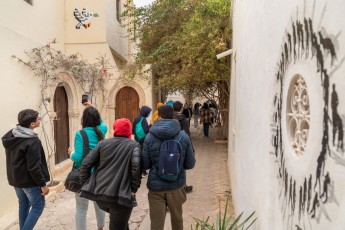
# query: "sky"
{"type": "Point", "coordinates": [140, 3]}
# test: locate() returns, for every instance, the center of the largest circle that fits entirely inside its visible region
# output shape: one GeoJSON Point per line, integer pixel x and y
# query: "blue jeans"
{"type": "Point", "coordinates": [29, 198]}
{"type": "Point", "coordinates": [82, 205]}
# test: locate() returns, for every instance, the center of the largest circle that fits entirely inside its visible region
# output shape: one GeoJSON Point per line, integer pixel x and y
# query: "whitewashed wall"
{"type": "Point", "coordinates": [117, 36]}
{"type": "Point", "coordinates": [287, 191]}
{"type": "Point", "coordinates": [22, 28]}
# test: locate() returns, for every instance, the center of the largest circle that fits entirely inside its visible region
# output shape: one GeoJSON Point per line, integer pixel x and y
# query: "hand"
{"type": "Point", "coordinates": [70, 151]}
{"type": "Point", "coordinates": [87, 104]}
{"type": "Point", "coordinates": [44, 190]}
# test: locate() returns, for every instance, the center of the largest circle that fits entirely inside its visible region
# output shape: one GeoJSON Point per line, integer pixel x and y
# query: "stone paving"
{"type": "Point", "coordinates": [210, 180]}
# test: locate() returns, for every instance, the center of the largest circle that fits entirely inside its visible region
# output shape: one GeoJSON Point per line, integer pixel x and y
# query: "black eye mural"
{"type": "Point", "coordinates": [305, 198]}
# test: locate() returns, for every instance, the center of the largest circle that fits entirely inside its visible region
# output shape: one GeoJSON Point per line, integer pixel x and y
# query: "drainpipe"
{"type": "Point", "coordinates": [224, 54]}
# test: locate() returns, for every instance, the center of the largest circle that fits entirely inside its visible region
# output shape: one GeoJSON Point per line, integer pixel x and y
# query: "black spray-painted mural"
{"type": "Point", "coordinates": [306, 201]}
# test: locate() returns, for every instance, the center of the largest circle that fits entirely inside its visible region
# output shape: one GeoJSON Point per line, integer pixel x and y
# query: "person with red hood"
{"type": "Point", "coordinates": [117, 176]}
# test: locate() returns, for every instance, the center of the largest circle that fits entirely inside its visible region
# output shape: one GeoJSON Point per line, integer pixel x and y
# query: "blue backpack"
{"type": "Point", "coordinates": [169, 162]}
{"type": "Point", "coordinates": [139, 131]}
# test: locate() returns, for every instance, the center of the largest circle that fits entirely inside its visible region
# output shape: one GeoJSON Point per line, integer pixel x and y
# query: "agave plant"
{"type": "Point", "coordinates": [223, 222]}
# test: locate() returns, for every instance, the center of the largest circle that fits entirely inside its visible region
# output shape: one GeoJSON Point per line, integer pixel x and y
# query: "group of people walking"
{"type": "Point", "coordinates": [111, 172]}
{"type": "Point", "coordinates": [206, 114]}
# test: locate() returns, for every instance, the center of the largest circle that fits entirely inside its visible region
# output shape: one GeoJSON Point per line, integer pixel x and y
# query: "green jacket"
{"type": "Point", "coordinates": [78, 155]}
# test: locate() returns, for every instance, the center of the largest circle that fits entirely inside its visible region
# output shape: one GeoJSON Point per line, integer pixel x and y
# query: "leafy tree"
{"type": "Point", "coordinates": [180, 39]}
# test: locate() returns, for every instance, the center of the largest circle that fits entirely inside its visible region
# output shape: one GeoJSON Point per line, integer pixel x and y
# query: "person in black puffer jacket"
{"type": "Point", "coordinates": [117, 176]}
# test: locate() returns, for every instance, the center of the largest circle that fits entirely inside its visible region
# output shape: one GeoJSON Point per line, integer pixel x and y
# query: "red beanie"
{"type": "Point", "coordinates": [122, 127]}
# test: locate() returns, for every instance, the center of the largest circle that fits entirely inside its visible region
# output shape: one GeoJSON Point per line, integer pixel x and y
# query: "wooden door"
{"type": "Point", "coordinates": [61, 126]}
{"type": "Point", "coordinates": [127, 104]}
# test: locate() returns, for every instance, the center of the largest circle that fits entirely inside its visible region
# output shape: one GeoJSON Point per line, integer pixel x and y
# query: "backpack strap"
{"type": "Point", "coordinates": [140, 121]}
{"type": "Point", "coordinates": [86, 142]}
{"type": "Point", "coordinates": [181, 132]}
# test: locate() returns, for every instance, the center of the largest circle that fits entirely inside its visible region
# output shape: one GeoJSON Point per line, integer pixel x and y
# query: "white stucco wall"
{"type": "Point", "coordinates": [22, 28]}
{"type": "Point", "coordinates": [117, 36]}
{"type": "Point", "coordinates": [260, 31]}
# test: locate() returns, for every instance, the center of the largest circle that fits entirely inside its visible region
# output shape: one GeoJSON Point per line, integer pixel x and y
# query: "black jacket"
{"type": "Point", "coordinates": [184, 122]}
{"type": "Point", "coordinates": [117, 174]}
{"type": "Point", "coordinates": [25, 161]}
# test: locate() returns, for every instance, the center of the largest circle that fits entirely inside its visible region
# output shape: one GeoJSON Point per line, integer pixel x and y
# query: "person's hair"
{"type": "Point", "coordinates": [26, 117]}
{"type": "Point", "coordinates": [205, 106]}
{"type": "Point", "coordinates": [166, 112]}
{"type": "Point", "coordinates": [92, 118]}
{"type": "Point", "coordinates": [177, 106]}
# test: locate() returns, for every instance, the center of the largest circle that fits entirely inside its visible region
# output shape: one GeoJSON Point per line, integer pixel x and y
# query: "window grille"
{"type": "Point", "coordinates": [298, 114]}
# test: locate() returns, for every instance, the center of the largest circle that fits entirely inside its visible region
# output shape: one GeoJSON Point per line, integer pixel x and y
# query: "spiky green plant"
{"type": "Point", "coordinates": [223, 222]}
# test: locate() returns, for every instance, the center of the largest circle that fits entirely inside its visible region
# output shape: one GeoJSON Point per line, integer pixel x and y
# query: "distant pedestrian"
{"type": "Point", "coordinates": [170, 103]}
{"type": "Point", "coordinates": [26, 167]}
{"type": "Point", "coordinates": [155, 114]}
{"type": "Point", "coordinates": [205, 118]}
{"type": "Point", "coordinates": [140, 123]}
{"type": "Point", "coordinates": [95, 130]}
{"type": "Point", "coordinates": [187, 111]}
{"type": "Point", "coordinates": [141, 120]}
{"type": "Point", "coordinates": [118, 166]}
{"type": "Point", "coordinates": [166, 194]}
{"type": "Point", "coordinates": [178, 108]}
{"type": "Point", "coordinates": [196, 113]}
{"type": "Point", "coordinates": [184, 123]}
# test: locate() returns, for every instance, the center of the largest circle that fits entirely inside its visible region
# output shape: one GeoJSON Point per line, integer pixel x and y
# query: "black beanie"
{"type": "Point", "coordinates": [166, 112]}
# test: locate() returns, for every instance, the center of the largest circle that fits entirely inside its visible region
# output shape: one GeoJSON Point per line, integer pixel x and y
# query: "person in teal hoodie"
{"type": "Point", "coordinates": [95, 129]}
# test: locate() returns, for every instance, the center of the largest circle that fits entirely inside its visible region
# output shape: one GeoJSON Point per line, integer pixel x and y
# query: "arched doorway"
{"type": "Point", "coordinates": [127, 103]}
{"type": "Point", "coordinates": [61, 125]}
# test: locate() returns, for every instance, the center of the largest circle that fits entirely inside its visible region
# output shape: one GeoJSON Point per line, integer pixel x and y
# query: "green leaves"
{"type": "Point", "coordinates": [223, 222]}
{"type": "Point", "coordinates": [182, 38]}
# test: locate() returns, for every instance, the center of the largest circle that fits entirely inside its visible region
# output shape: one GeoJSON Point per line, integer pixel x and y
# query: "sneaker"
{"type": "Point", "coordinates": [188, 188]}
